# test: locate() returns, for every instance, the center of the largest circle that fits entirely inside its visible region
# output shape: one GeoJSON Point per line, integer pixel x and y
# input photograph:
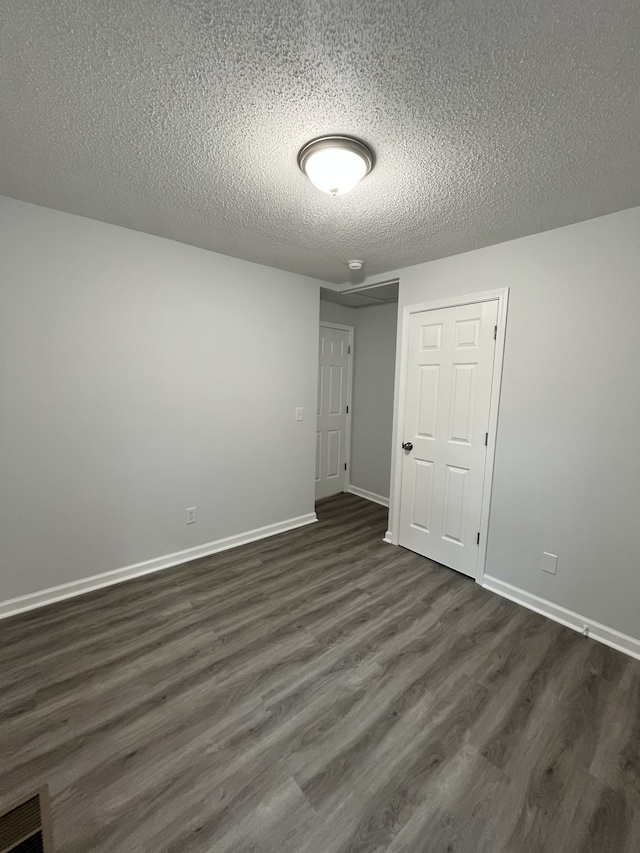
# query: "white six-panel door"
{"type": "Point", "coordinates": [333, 391]}
{"type": "Point", "coordinates": [448, 395]}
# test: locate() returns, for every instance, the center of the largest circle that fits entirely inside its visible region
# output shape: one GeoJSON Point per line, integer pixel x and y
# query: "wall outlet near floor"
{"type": "Point", "coordinates": [549, 563]}
{"type": "Point", "coordinates": [190, 513]}
{"type": "Point", "coordinates": [299, 413]}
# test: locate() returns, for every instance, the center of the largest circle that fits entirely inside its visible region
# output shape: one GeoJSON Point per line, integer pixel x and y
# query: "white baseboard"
{"type": "Point", "coordinates": [369, 496]}
{"type": "Point", "coordinates": [608, 636]}
{"type": "Point", "coordinates": [79, 587]}
{"type": "Point", "coordinates": [388, 538]}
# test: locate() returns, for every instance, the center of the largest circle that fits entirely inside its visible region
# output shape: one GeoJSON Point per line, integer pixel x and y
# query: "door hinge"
{"type": "Point", "coordinates": [347, 409]}
{"type": "Point", "coordinates": [345, 466]}
{"type": "Point", "coordinates": [486, 439]}
{"type": "Point", "coordinates": [478, 539]}
{"type": "Point", "coordinates": [349, 350]}
{"type": "Point", "coordinates": [495, 333]}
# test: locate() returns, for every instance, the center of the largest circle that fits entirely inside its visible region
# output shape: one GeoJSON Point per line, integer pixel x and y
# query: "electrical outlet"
{"type": "Point", "coordinates": [299, 413]}
{"type": "Point", "coordinates": [549, 563]}
{"type": "Point", "coordinates": [191, 515]}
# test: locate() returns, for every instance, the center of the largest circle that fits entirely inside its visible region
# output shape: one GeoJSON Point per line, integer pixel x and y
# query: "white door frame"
{"type": "Point", "coordinates": [502, 296]}
{"type": "Point", "coordinates": [328, 325]}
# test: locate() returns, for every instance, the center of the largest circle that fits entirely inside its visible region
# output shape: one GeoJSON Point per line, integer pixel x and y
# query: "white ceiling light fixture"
{"type": "Point", "coordinates": [335, 164]}
{"type": "Point", "coordinates": [355, 265]}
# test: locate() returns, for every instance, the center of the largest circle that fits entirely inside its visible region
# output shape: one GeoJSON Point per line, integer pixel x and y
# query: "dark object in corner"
{"type": "Point", "coordinates": [25, 827]}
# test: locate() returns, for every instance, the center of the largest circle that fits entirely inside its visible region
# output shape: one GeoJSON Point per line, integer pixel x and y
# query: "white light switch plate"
{"type": "Point", "coordinates": [549, 563]}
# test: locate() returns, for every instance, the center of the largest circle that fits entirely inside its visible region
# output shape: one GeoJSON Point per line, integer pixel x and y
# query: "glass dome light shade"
{"type": "Point", "coordinates": [335, 170]}
{"type": "Point", "coordinates": [335, 164]}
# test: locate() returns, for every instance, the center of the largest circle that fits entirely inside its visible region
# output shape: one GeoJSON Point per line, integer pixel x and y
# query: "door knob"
{"type": "Point", "coordinates": [406, 445]}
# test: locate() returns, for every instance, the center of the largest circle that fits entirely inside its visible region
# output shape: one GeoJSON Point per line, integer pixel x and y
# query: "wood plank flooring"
{"type": "Point", "coordinates": [316, 692]}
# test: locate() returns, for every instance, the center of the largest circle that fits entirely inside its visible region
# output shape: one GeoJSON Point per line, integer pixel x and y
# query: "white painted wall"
{"type": "Point", "coordinates": [567, 468]}
{"type": "Point", "coordinates": [331, 312]}
{"type": "Point", "coordinates": [373, 383]}
{"type": "Point", "coordinates": [140, 376]}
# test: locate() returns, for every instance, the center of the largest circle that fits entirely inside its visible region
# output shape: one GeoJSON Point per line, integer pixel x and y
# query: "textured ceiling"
{"type": "Point", "coordinates": [490, 120]}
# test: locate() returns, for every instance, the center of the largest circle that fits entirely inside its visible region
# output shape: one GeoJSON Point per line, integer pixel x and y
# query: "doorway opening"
{"type": "Point", "coordinates": [372, 312]}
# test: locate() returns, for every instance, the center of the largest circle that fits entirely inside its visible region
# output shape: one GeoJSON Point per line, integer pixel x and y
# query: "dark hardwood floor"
{"type": "Point", "coordinates": [319, 691]}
